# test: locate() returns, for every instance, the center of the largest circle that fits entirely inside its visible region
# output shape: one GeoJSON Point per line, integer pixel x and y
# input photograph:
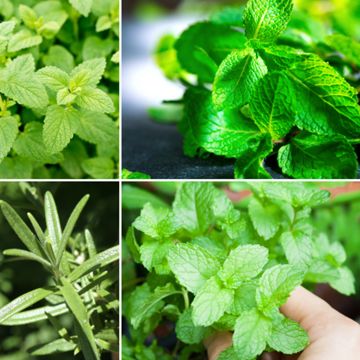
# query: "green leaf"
{"type": "Point", "coordinates": [265, 20]}
{"type": "Point", "coordinates": [69, 227]}
{"type": "Point", "coordinates": [30, 145]}
{"type": "Point", "coordinates": [27, 255]}
{"type": "Point", "coordinates": [96, 128]}
{"type": "Point", "coordinates": [82, 6]}
{"type": "Point", "coordinates": [328, 105]}
{"type": "Point", "coordinates": [132, 244]}
{"type": "Point", "coordinates": [28, 16]}
{"type": "Point", "coordinates": [134, 197]}
{"type": "Point", "coordinates": [211, 302]}
{"type": "Point", "coordinates": [228, 354]}
{"type": "Point", "coordinates": [345, 284]}
{"type": "Point", "coordinates": [94, 100]}
{"type": "Point", "coordinates": [243, 263]}
{"type": "Point", "coordinates": [155, 222]}
{"type": "Point", "coordinates": [287, 337]}
{"type": "Point", "coordinates": [59, 57]}
{"type": "Point", "coordinates": [226, 133]}
{"type": "Point", "coordinates": [59, 127]}
{"type": "Point", "coordinates": [251, 332]}
{"type": "Point", "coordinates": [79, 311]}
{"type": "Point", "coordinates": [276, 284]}
{"type": "Point", "coordinates": [244, 298]}
{"type": "Point", "coordinates": [8, 134]}
{"type": "Point", "coordinates": [266, 217]}
{"type": "Point", "coordinates": [21, 229]}
{"type": "Point", "coordinates": [53, 77]}
{"type": "Point", "coordinates": [16, 168]}
{"type": "Point", "coordinates": [24, 301]}
{"type": "Point", "coordinates": [192, 265]}
{"type": "Point", "coordinates": [237, 78]}
{"type": "Point", "coordinates": [100, 260]}
{"type": "Point", "coordinates": [271, 105]}
{"type": "Point", "coordinates": [203, 46]}
{"type": "Point", "coordinates": [154, 255]}
{"type": "Point", "coordinates": [52, 222]}
{"type": "Point", "coordinates": [307, 156]}
{"type": "Point", "coordinates": [186, 331]}
{"type": "Point", "coordinates": [97, 47]}
{"type": "Point", "coordinates": [99, 167]}
{"type": "Point", "coordinates": [89, 73]}
{"type": "Point", "coordinates": [193, 206]}
{"type": "Point", "coordinates": [150, 302]}
{"type": "Point", "coordinates": [19, 82]}
{"type": "Point", "coordinates": [24, 39]}
{"type": "Point", "coordinates": [297, 245]}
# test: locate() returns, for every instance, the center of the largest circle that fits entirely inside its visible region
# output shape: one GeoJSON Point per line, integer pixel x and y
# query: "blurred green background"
{"type": "Point", "coordinates": [100, 216]}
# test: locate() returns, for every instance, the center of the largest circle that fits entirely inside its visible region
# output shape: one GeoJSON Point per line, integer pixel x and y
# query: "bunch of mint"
{"type": "Point", "coordinates": [59, 89]}
{"type": "Point", "coordinates": [260, 92]}
{"type": "Point", "coordinates": [212, 267]}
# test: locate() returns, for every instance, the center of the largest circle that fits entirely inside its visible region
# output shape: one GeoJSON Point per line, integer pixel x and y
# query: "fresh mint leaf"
{"type": "Point", "coordinates": [237, 78]}
{"type": "Point", "coordinates": [276, 284]}
{"type": "Point", "coordinates": [192, 265]}
{"type": "Point", "coordinates": [211, 302]}
{"type": "Point", "coordinates": [8, 133]}
{"type": "Point", "coordinates": [287, 337]}
{"type": "Point", "coordinates": [243, 263]}
{"type": "Point", "coordinates": [307, 156]}
{"type": "Point", "coordinates": [186, 331]}
{"type": "Point", "coordinates": [202, 47]}
{"type": "Point", "coordinates": [265, 20]}
{"type": "Point", "coordinates": [345, 284]}
{"type": "Point", "coordinates": [252, 330]}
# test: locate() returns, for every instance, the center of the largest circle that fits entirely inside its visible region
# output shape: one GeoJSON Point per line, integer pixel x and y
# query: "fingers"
{"type": "Point", "coordinates": [217, 343]}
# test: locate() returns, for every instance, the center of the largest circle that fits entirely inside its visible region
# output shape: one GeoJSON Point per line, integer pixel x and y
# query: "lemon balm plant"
{"type": "Point", "coordinates": [268, 91]}
{"type": "Point", "coordinates": [207, 266]}
{"type": "Point", "coordinates": [82, 283]}
{"type": "Point", "coordinates": [59, 89]}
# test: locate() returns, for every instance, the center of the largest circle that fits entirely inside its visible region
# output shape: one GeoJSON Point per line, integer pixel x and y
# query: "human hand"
{"type": "Point", "coordinates": [332, 335]}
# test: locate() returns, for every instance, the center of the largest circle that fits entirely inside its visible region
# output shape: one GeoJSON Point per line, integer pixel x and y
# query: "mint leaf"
{"type": "Point", "coordinates": [192, 206]}
{"type": "Point", "coordinates": [59, 127]}
{"type": "Point", "coordinates": [157, 222]}
{"type": "Point", "coordinates": [266, 217]}
{"type": "Point", "coordinates": [94, 100]}
{"type": "Point", "coordinates": [18, 82]}
{"type": "Point", "coordinates": [15, 168]}
{"type": "Point", "coordinates": [211, 302]}
{"type": "Point", "coordinates": [227, 133]}
{"type": "Point", "coordinates": [24, 39]}
{"type": "Point", "coordinates": [265, 20]}
{"type": "Point", "coordinates": [288, 337]}
{"type": "Point", "coordinates": [243, 263]}
{"type": "Point", "coordinates": [192, 265]}
{"type": "Point", "coordinates": [8, 133]}
{"type": "Point", "coordinates": [276, 284]}
{"type": "Point", "coordinates": [53, 78]}
{"type": "Point", "coordinates": [345, 284]}
{"type": "Point", "coordinates": [154, 255]}
{"type": "Point", "coordinates": [88, 73]}
{"type": "Point", "coordinates": [202, 47]}
{"type": "Point", "coordinates": [82, 6]}
{"type": "Point", "coordinates": [237, 78]}
{"type": "Point", "coordinates": [244, 298]}
{"type": "Point", "coordinates": [333, 102]}
{"type": "Point", "coordinates": [186, 331]}
{"type": "Point", "coordinates": [271, 106]}
{"type": "Point", "coordinates": [345, 45]}
{"type": "Point", "coordinates": [99, 167]}
{"type": "Point", "coordinates": [307, 156]}
{"type": "Point", "coordinates": [29, 145]}
{"type": "Point", "coordinates": [252, 330]}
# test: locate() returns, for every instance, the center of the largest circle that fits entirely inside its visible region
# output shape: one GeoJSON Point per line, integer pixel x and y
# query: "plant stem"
{"type": "Point", "coordinates": [186, 298]}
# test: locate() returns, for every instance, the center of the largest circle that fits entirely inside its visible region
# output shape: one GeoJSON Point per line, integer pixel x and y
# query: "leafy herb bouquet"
{"type": "Point", "coordinates": [262, 93]}
{"type": "Point", "coordinates": [59, 88]}
{"type": "Point", "coordinates": [211, 267]}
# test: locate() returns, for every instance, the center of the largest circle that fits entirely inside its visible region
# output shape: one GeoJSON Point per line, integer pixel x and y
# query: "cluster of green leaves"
{"type": "Point", "coordinates": [59, 89]}
{"type": "Point", "coordinates": [212, 267]}
{"type": "Point", "coordinates": [263, 90]}
{"type": "Point", "coordinates": [82, 283]}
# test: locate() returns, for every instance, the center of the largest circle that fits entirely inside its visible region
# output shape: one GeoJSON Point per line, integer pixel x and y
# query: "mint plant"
{"type": "Point", "coordinates": [59, 89]}
{"type": "Point", "coordinates": [209, 267]}
{"type": "Point", "coordinates": [83, 282]}
{"type": "Point", "coordinates": [262, 93]}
